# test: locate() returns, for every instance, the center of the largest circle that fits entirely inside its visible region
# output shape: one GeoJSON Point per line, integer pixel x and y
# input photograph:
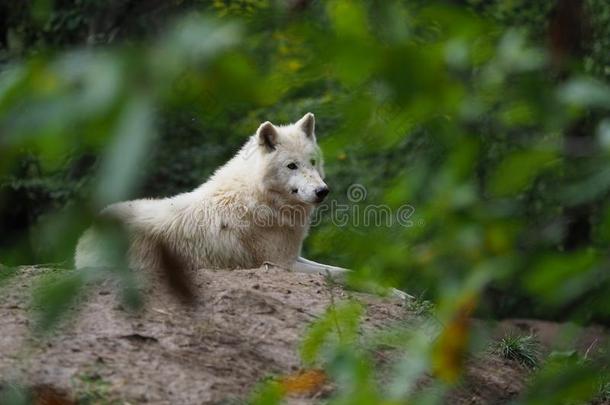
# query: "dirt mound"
{"type": "Point", "coordinates": [243, 326]}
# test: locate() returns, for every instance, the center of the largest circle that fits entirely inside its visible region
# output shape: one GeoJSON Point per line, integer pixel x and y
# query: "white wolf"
{"type": "Point", "coordinates": [253, 210]}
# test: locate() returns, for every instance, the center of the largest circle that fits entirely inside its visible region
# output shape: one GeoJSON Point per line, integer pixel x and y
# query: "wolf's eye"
{"type": "Point", "coordinates": [292, 166]}
{"type": "Point", "coordinates": [313, 162]}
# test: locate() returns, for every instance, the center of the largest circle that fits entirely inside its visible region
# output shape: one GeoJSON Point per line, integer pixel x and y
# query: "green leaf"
{"type": "Point", "coordinates": [268, 392]}
{"type": "Point", "coordinates": [585, 92]}
{"type": "Point", "coordinates": [517, 171]}
{"type": "Point", "coordinates": [122, 166]}
{"type": "Point", "coordinates": [559, 278]}
{"type": "Point", "coordinates": [55, 297]}
{"type": "Point", "coordinates": [339, 323]}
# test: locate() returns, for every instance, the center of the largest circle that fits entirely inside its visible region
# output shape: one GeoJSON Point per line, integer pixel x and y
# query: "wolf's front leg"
{"type": "Point", "coordinates": [302, 265]}
{"type": "Point", "coordinates": [338, 274]}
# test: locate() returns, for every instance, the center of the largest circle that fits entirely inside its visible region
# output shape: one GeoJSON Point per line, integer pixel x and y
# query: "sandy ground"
{"type": "Point", "coordinates": [243, 326]}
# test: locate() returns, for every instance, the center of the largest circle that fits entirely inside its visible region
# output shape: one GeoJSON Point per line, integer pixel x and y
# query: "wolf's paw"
{"type": "Point", "coordinates": [401, 295]}
{"type": "Point", "coordinates": [268, 265]}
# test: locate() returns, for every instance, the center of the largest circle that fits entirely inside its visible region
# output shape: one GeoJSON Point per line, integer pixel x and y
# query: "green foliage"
{"type": "Point", "coordinates": [420, 306]}
{"type": "Point", "coordinates": [14, 395]}
{"type": "Point", "coordinates": [55, 295]}
{"type": "Point", "coordinates": [95, 390]}
{"type": "Point", "coordinates": [524, 349]}
{"type": "Point", "coordinates": [574, 380]}
{"type": "Point", "coordinates": [517, 171]}
{"type": "Point", "coordinates": [267, 392]}
{"type": "Point", "coordinates": [338, 326]}
{"type": "Point", "coordinates": [6, 273]}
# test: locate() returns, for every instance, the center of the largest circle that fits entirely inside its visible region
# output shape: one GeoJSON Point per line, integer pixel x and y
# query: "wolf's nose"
{"type": "Point", "coordinates": [322, 192]}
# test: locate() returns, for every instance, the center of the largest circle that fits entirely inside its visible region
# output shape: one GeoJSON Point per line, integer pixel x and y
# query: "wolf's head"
{"type": "Point", "coordinates": [292, 161]}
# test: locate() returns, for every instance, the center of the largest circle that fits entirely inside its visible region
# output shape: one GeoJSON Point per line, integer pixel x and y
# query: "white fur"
{"type": "Point", "coordinates": [246, 214]}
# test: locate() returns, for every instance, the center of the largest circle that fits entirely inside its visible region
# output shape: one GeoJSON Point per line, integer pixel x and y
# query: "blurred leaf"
{"type": "Point", "coordinates": [348, 19]}
{"type": "Point", "coordinates": [351, 27]}
{"type": "Point", "coordinates": [193, 40]}
{"type": "Point", "coordinates": [306, 382]}
{"type": "Point", "coordinates": [411, 366]}
{"type": "Point", "coordinates": [514, 54]}
{"type": "Point", "coordinates": [339, 323]}
{"type": "Point", "coordinates": [589, 188]}
{"type": "Point", "coordinates": [585, 92]}
{"type": "Point", "coordinates": [450, 349]}
{"type": "Point", "coordinates": [12, 394]}
{"type": "Point", "coordinates": [354, 377]}
{"type": "Point", "coordinates": [6, 273]}
{"type": "Point", "coordinates": [603, 133]}
{"type": "Point", "coordinates": [121, 168]}
{"type": "Point", "coordinates": [564, 379]}
{"type": "Point", "coordinates": [54, 297]}
{"type": "Point", "coordinates": [517, 171]}
{"type": "Point", "coordinates": [561, 277]}
{"type": "Point", "coordinates": [268, 392]}
{"type": "Point", "coordinates": [604, 225]}
{"type": "Point", "coordinates": [111, 249]}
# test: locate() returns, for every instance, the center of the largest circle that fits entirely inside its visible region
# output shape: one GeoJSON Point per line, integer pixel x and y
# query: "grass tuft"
{"type": "Point", "coordinates": [524, 349]}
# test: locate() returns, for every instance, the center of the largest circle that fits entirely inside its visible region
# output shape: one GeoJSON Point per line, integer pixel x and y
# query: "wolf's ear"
{"type": "Point", "coordinates": [307, 124]}
{"type": "Point", "coordinates": [267, 136]}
